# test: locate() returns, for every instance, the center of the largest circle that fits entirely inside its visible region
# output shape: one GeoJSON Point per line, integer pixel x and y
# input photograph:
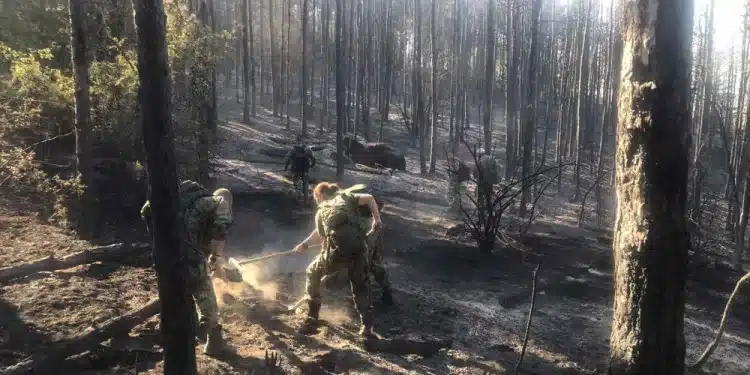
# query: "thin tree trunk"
{"type": "Point", "coordinates": [177, 325]}
{"type": "Point", "coordinates": [245, 63]}
{"type": "Point", "coordinates": [530, 110]}
{"type": "Point", "coordinates": [340, 90]}
{"type": "Point", "coordinates": [434, 122]}
{"type": "Point", "coordinates": [84, 168]}
{"type": "Point", "coordinates": [305, 82]}
{"type": "Point", "coordinates": [583, 80]}
{"type": "Point", "coordinates": [489, 77]}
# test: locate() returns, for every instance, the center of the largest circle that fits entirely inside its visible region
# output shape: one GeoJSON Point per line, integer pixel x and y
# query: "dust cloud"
{"type": "Point", "coordinates": [264, 277]}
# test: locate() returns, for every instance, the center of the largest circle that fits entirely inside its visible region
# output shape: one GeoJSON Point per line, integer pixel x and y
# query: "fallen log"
{"type": "Point", "coordinates": [59, 351]}
{"type": "Point", "coordinates": [50, 263]}
{"type": "Point", "coordinates": [406, 346]}
{"type": "Point", "coordinates": [359, 168]}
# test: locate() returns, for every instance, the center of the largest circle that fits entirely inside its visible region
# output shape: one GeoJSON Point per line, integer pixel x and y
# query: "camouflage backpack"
{"type": "Point", "coordinates": [194, 225]}
{"type": "Point", "coordinates": [300, 159]}
{"type": "Point", "coordinates": [338, 220]}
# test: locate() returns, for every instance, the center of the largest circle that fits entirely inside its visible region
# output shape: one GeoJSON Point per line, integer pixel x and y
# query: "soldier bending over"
{"type": "Point", "coordinates": [344, 243]}
{"type": "Point", "coordinates": [203, 221]}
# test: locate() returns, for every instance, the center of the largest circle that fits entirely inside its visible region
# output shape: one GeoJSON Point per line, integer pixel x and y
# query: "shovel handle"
{"type": "Point", "coordinates": [274, 255]}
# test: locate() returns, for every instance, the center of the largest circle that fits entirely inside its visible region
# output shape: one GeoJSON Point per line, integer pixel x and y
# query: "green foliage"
{"type": "Point", "coordinates": [28, 26]}
{"type": "Point", "coordinates": [21, 175]}
{"type": "Point", "coordinates": [37, 91]}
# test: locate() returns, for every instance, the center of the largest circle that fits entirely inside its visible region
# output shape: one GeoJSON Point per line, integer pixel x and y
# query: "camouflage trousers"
{"type": "Point", "coordinates": [375, 255]}
{"type": "Point", "coordinates": [356, 266]}
{"type": "Point", "coordinates": [202, 290]}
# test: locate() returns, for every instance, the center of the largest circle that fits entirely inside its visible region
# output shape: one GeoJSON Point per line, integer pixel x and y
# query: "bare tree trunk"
{"type": "Point", "coordinates": [512, 93]}
{"type": "Point", "coordinates": [286, 62]}
{"type": "Point", "coordinates": [489, 77]}
{"type": "Point", "coordinates": [213, 115]}
{"type": "Point", "coordinates": [704, 128]}
{"type": "Point", "coordinates": [177, 325]}
{"type": "Point", "coordinates": [419, 110]}
{"type": "Point", "coordinates": [245, 63]}
{"type": "Point", "coordinates": [204, 125]}
{"type": "Point", "coordinates": [84, 168]}
{"type": "Point", "coordinates": [311, 75]}
{"type": "Point", "coordinates": [530, 109]}
{"type": "Point", "coordinates": [274, 58]}
{"type": "Point", "coordinates": [252, 58]}
{"type": "Point", "coordinates": [583, 80]}
{"type": "Point", "coordinates": [305, 82]}
{"type": "Point", "coordinates": [651, 240]}
{"type": "Point", "coordinates": [387, 54]}
{"type": "Point", "coordinates": [340, 90]}
{"type": "Point", "coordinates": [434, 122]}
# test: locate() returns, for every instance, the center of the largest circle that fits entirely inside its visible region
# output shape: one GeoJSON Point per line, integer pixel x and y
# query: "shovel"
{"type": "Point", "coordinates": [232, 271]}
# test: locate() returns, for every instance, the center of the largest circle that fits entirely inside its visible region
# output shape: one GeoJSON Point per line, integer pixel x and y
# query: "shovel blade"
{"type": "Point", "coordinates": [232, 271]}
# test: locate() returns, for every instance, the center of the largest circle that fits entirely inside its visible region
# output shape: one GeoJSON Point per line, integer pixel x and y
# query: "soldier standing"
{"type": "Point", "coordinates": [300, 158]}
{"type": "Point", "coordinates": [203, 219]}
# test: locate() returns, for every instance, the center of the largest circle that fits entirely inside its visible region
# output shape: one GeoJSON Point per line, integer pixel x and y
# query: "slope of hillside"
{"type": "Point", "coordinates": [446, 292]}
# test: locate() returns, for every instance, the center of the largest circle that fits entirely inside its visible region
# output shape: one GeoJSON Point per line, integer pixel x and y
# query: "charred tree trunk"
{"type": "Point", "coordinates": [177, 325]}
{"type": "Point", "coordinates": [340, 90]}
{"type": "Point", "coordinates": [489, 76]}
{"type": "Point", "coordinates": [511, 116]}
{"type": "Point", "coordinates": [252, 60]}
{"type": "Point", "coordinates": [530, 108]}
{"type": "Point", "coordinates": [650, 237]}
{"type": "Point", "coordinates": [275, 57]}
{"type": "Point", "coordinates": [434, 122]}
{"type": "Point", "coordinates": [84, 168]}
{"type": "Point", "coordinates": [305, 81]}
{"type": "Point", "coordinates": [583, 80]}
{"type": "Point", "coordinates": [245, 63]}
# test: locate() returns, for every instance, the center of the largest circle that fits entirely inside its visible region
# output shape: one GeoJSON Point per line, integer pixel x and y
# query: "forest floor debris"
{"type": "Point", "coordinates": [445, 290]}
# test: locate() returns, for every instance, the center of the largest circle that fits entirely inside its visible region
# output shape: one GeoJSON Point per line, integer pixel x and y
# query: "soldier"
{"type": "Point", "coordinates": [203, 221]}
{"type": "Point", "coordinates": [301, 159]}
{"type": "Point", "coordinates": [344, 241]}
{"type": "Point", "coordinates": [486, 174]}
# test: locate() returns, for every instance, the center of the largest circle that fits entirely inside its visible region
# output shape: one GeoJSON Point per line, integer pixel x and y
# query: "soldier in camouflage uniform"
{"type": "Point", "coordinates": [204, 220]}
{"type": "Point", "coordinates": [486, 174]}
{"type": "Point", "coordinates": [344, 241]}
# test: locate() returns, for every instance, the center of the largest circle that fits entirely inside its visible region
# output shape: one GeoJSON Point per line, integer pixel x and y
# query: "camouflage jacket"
{"type": "Point", "coordinates": [335, 213]}
{"type": "Point", "coordinates": [202, 217]}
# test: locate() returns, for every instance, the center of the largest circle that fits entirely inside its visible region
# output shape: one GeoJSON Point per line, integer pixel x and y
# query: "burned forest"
{"type": "Point", "coordinates": [238, 187]}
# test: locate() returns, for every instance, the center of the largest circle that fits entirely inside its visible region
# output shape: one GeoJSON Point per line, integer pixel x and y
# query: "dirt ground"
{"type": "Point", "coordinates": [445, 291]}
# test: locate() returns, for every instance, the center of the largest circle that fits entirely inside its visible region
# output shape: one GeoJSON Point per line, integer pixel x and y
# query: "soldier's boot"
{"type": "Point", "coordinates": [310, 324]}
{"type": "Point", "coordinates": [366, 330]}
{"type": "Point", "coordinates": [215, 343]}
{"type": "Point", "coordinates": [387, 296]}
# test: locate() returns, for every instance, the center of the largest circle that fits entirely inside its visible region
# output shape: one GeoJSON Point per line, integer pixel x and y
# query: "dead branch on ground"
{"type": "Point", "coordinates": [712, 346]}
{"type": "Point", "coordinates": [59, 351]}
{"type": "Point", "coordinates": [528, 321]}
{"type": "Point", "coordinates": [97, 254]}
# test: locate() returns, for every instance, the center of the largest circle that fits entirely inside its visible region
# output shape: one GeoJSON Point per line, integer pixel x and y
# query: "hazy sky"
{"type": "Point", "coordinates": [728, 21]}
